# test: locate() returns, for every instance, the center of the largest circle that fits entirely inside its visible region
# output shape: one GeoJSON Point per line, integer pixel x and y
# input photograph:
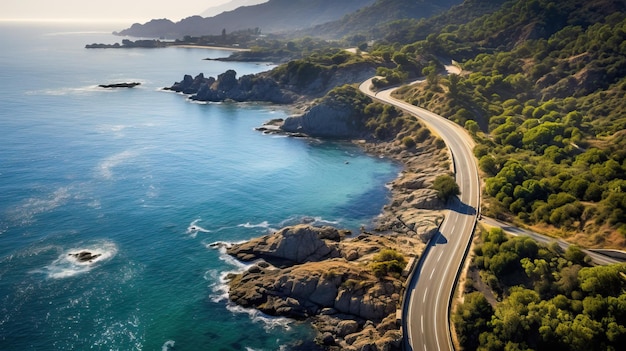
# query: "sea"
{"type": "Point", "coordinates": [147, 181]}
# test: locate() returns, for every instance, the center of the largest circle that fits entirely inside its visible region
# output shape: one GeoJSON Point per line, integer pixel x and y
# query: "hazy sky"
{"type": "Point", "coordinates": [119, 10]}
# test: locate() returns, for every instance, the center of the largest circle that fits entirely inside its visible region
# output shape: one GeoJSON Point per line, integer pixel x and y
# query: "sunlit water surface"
{"type": "Point", "coordinates": [146, 180]}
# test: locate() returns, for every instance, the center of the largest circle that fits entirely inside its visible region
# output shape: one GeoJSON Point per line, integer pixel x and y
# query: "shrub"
{"type": "Point", "coordinates": [408, 142]}
{"type": "Point", "coordinates": [446, 187]}
{"type": "Point", "coordinates": [388, 261]}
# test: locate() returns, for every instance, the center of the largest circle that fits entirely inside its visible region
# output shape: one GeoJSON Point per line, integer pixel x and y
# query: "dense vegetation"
{"type": "Point", "coordinates": [549, 299]}
{"type": "Point", "coordinates": [375, 121]}
{"type": "Point", "coordinates": [544, 93]}
{"type": "Point", "coordinates": [371, 22]}
{"type": "Point", "coordinates": [388, 261]}
{"type": "Point", "coordinates": [313, 72]}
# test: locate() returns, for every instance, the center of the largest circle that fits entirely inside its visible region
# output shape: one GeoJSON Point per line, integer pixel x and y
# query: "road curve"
{"type": "Point", "coordinates": [425, 321]}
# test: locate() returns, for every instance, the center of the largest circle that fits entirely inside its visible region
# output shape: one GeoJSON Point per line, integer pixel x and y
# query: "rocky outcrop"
{"type": "Point", "coordinates": [305, 290]}
{"type": "Point", "coordinates": [291, 245]}
{"type": "Point", "coordinates": [84, 256]}
{"type": "Point", "coordinates": [323, 120]}
{"type": "Point", "coordinates": [325, 276]}
{"type": "Point", "coordinates": [228, 87]}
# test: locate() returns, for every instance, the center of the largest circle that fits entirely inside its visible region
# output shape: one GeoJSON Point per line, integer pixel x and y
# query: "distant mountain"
{"type": "Point", "coordinates": [271, 17]}
{"type": "Point", "coordinates": [229, 6]}
{"type": "Point", "coordinates": [369, 20]}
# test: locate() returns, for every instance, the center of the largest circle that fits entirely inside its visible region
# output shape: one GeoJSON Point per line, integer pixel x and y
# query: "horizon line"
{"type": "Point", "coordinates": [77, 20]}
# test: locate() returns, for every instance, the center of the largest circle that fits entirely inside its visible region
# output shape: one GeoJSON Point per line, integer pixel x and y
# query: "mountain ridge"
{"type": "Point", "coordinates": [368, 20]}
{"type": "Point", "coordinates": [229, 6]}
{"type": "Point", "coordinates": [272, 16]}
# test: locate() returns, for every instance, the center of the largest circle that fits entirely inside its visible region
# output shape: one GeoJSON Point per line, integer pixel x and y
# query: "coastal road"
{"type": "Point", "coordinates": [597, 258]}
{"type": "Point", "coordinates": [425, 320]}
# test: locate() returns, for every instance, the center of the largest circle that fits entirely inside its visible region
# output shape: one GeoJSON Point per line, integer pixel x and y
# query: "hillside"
{"type": "Point", "coordinates": [369, 20]}
{"type": "Point", "coordinates": [229, 6]}
{"type": "Point", "coordinates": [543, 93]}
{"type": "Point", "coordinates": [272, 16]}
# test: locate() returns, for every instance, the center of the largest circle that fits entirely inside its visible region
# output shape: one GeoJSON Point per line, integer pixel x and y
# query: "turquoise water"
{"type": "Point", "coordinates": [148, 180]}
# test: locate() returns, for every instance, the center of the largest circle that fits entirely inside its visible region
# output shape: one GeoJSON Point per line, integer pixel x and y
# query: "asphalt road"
{"type": "Point", "coordinates": [426, 312]}
{"type": "Point", "coordinates": [597, 258]}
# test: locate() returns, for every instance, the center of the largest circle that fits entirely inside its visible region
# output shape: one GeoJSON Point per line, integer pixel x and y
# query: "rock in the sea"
{"type": "Point", "coordinates": [120, 85]}
{"type": "Point", "coordinates": [84, 256]}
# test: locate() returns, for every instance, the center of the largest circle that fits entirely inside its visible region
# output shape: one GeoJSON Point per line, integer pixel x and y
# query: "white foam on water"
{"type": "Point", "coordinates": [112, 333]}
{"type": "Point", "coordinates": [84, 90]}
{"type": "Point", "coordinates": [28, 209]}
{"type": "Point", "coordinates": [307, 220]}
{"type": "Point", "coordinates": [193, 229]}
{"type": "Point", "coordinates": [105, 167]}
{"type": "Point", "coordinates": [168, 345]}
{"type": "Point", "coordinates": [263, 224]}
{"type": "Point", "coordinates": [220, 290]}
{"type": "Point", "coordinates": [219, 286]}
{"type": "Point", "coordinates": [67, 265]}
{"type": "Point", "coordinates": [269, 323]}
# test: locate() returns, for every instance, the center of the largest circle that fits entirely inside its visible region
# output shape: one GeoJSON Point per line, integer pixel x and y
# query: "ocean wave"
{"type": "Point", "coordinates": [193, 229]}
{"type": "Point", "coordinates": [219, 287]}
{"type": "Point", "coordinates": [264, 224]}
{"type": "Point", "coordinates": [269, 323]}
{"type": "Point", "coordinates": [68, 263]}
{"type": "Point", "coordinates": [219, 279]}
{"type": "Point", "coordinates": [168, 345]}
{"type": "Point", "coordinates": [299, 219]}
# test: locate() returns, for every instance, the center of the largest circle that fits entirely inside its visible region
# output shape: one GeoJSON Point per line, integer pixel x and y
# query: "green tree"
{"type": "Point", "coordinates": [446, 187]}
{"type": "Point", "coordinates": [471, 319]}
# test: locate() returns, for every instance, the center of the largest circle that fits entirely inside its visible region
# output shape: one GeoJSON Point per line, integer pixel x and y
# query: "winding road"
{"type": "Point", "coordinates": [426, 310]}
{"type": "Point", "coordinates": [425, 321]}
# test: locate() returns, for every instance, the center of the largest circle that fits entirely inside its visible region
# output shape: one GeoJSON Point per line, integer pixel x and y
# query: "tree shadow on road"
{"type": "Point", "coordinates": [457, 206]}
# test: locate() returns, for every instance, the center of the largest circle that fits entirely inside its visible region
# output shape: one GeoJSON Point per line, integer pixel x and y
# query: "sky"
{"type": "Point", "coordinates": [103, 10]}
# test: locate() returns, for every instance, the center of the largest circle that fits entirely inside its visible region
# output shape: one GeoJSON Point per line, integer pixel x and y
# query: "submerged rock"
{"type": "Point", "coordinates": [85, 256]}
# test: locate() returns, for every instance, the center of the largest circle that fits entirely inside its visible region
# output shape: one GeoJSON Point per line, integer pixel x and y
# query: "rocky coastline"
{"type": "Point", "coordinates": [228, 87]}
{"type": "Point", "coordinates": [326, 275]}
